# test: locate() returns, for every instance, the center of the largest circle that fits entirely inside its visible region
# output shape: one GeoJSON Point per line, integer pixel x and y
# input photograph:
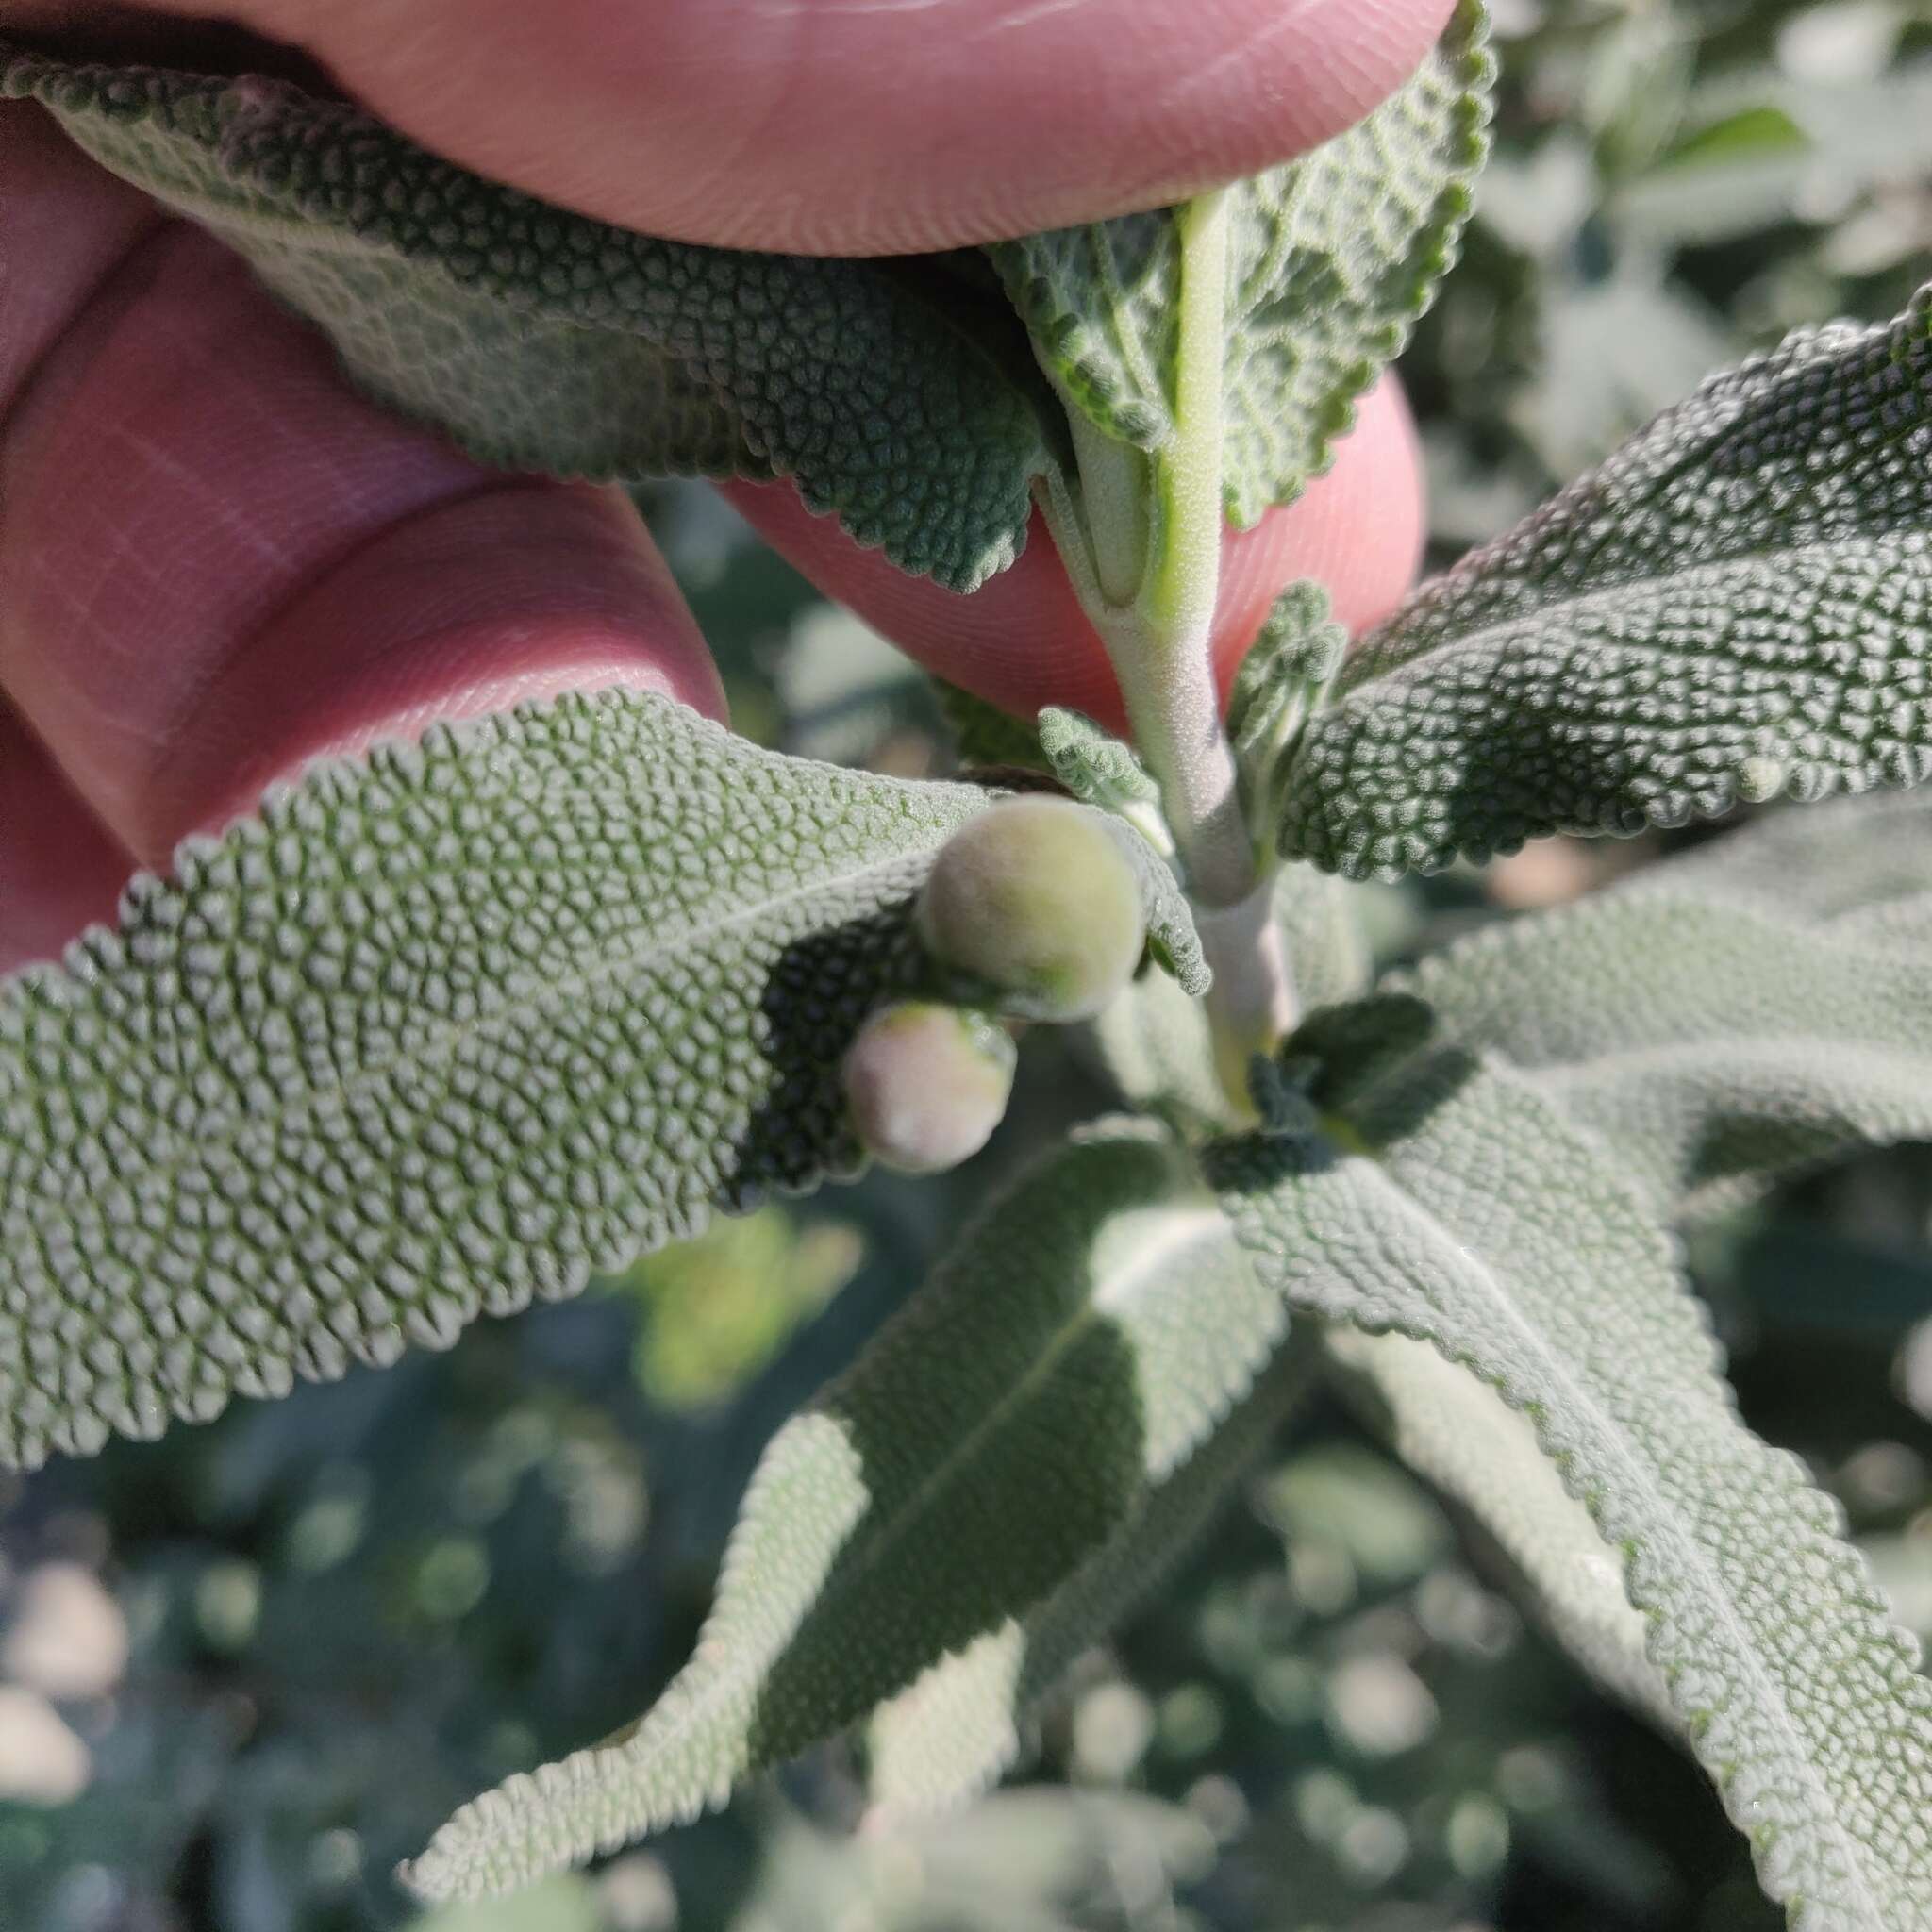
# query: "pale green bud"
{"type": "Point", "coordinates": [1035, 907]}
{"type": "Point", "coordinates": [927, 1084]}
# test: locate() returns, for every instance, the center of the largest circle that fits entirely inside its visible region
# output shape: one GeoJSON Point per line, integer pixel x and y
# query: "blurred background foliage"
{"type": "Point", "coordinates": [245, 1669]}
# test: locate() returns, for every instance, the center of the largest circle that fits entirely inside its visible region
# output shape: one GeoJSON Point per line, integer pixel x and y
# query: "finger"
{"type": "Point", "coordinates": [860, 126]}
{"type": "Point", "coordinates": [59, 867]}
{"type": "Point", "coordinates": [215, 562]}
{"type": "Point", "coordinates": [1023, 641]}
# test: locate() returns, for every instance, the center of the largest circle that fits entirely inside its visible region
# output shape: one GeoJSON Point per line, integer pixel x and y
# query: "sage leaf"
{"type": "Point", "coordinates": [1738, 605]}
{"type": "Point", "coordinates": [542, 339]}
{"type": "Point", "coordinates": [1083, 1338]}
{"type": "Point", "coordinates": [1290, 664]}
{"type": "Point", "coordinates": [1334, 258]}
{"type": "Point", "coordinates": [437, 1033]}
{"type": "Point", "coordinates": [1452, 1428]}
{"type": "Point", "coordinates": [1762, 1004]}
{"type": "Point", "coordinates": [964, 1724]}
{"type": "Point", "coordinates": [1458, 1207]}
{"type": "Point", "coordinates": [1098, 767]}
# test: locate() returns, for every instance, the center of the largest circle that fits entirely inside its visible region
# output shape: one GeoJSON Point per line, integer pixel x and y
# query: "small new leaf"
{"type": "Point", "coordinates": [1015, 1420]}
{"type": "Point", "coordinates": [1097, 768]}
{"type": "Point", "coordinates": [1738, 604]}
{"type": "Point", "coordinates": [1462, 1208]}
{"type": "Point", "coordinates": [1290, 664]}
{"type": "Point", "coordinates": [1334, 258]}
{"type": "Point", "coordinates": [437, 1033]}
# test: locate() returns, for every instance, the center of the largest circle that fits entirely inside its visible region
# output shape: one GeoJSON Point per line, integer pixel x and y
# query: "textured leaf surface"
{"type": "Point", "coordinates": [1762, 1004]}
{"type": "Point", "coordinates": [1290, 663]}
{"type": "Point", "coordinates": [435, 1034]}
{"type": "Point", "coordinates": [1461, 1207]}
{"type": "Point", "coordinates": [1738, 604]}
{"type": "Point", "coordinates": [1452, 1427]}
{"type": "Point", "coordinates": [1083, 1340]}
{"type": "Point", "coordinates": [542, 339]}
{"type": "Point", "coordinates": [1096, 766]}
{"type": "Point", "coordinates": [962, 1726]}
{"type": "Point", "coordinates": [1334, 258]}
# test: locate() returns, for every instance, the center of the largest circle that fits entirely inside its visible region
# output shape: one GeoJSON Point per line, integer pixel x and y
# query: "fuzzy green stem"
{"type": "Point", "coordinates": [1143, 546]}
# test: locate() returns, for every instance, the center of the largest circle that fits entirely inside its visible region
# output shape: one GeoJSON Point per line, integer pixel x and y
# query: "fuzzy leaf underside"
{"type": "Point", "coordinates": [1737, 605]}
{"type": "Point", "coordinates": [1760, 1005]}
{"type": "Point", "coordinates": [542, 339]}
{"type": "Point", "coordinates": [437, 1033]}
{"type": "Point", "coordinates": [1334, 258]}
{"type": "Point", "coordinates": [1083, 1338]}
{"type": "Point", "coordinates": [1465, 1211]}
{"type": "Point", "coordinates": [1451, 1427]}
{"type": "Point", "coordinates": [963, 1724]}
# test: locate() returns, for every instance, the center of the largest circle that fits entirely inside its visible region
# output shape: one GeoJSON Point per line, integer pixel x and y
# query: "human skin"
{"type": "Point", "coordinates": [217, 563]}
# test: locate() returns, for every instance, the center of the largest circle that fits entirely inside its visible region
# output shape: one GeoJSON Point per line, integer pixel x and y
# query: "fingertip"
{"type": "Point", "coordinates": [861, 126]}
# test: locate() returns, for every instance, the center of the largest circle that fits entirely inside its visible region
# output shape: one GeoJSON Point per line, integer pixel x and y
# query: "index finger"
{"type": "Point", "coordinates": [860, 126]}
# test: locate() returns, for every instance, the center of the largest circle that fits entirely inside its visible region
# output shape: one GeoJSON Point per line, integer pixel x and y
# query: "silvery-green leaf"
{"type": "Point", "coordinates": [963, 1724]}
{"type": "Point", "coordinates": [1334, 258]}
{"type": "Point", "coordinates": [1738, 604]}
{"type": "Point", "coordinates": [1096, 766]}
{"type": "Point", "coordinates": [1462, 1208]}
{"type": "Point", "coordinates": [543, 340]}
{"type": "Point", "coordinates": [1761, 1004]}
{"type": "Point", "coordinates": [1455, 1429]}
{"type": "Point", "coordinates": [1083, 1340]}
{"type": "Point", "coordinates": [435, 1034]}
{"type": "Point", "coordinates": [1290, 663]}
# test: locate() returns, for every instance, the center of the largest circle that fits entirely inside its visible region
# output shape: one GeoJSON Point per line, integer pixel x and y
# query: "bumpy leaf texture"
{"type": "Point", "coordinates": [435, 1034]}
{"type": "Point", "coordinates": [1459, 1207]}
{"type": "Point", "coordinates": [1011, 1423]}
{"type": "Point", "coordinates": [1449, 1426]}
{"type": "Point", "coordinates": [1760, 1005]}
{"type": "Point", "coordinates": [1738, 605]}
{"type": "Point", "coordinates": [542, 339]}
{"type": "Point", "coordinates": [1334, 258]}
{"type": "Point", "coordinates": [964, 1724]}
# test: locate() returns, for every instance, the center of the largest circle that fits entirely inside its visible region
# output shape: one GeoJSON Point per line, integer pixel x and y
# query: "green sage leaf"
{"type": "Point", "coordinates": [1449, 1426]}
{"type": "Point", "coordinates": [1760, 1005]}
{"type": "Point", "coordinates": [1334, 258]}
{"type": "Point", "coordinates": [1458, 1207]}
{"type": "Point", "coordinates": [543, 340]}
{"type": "Point", "coordinates": [435, 1034]}
{"type": "Point", "coordinates": [1084, 1337]}
{"type": "Point", "coordinates": [963, 1724]}
{"type": "Point", "coordinates": [1738, 605]}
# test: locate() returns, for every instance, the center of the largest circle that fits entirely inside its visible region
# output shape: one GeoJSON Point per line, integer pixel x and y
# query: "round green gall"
{"type": "Point", "coordinates": [927, 1084]}
{"type": "Point", "coordinates": [1034, 906]}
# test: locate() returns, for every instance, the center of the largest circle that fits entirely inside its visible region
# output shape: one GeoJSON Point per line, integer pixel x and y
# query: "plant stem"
{"type": "Point", "coordinates": [1146, 562]}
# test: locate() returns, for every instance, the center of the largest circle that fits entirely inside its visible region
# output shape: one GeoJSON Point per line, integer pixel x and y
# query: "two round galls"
{"type": "Point", "coordinates": [1031, 911]}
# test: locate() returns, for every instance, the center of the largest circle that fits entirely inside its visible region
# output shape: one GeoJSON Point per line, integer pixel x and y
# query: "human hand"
{"type": "Point", "coordinates": [216, 561]}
